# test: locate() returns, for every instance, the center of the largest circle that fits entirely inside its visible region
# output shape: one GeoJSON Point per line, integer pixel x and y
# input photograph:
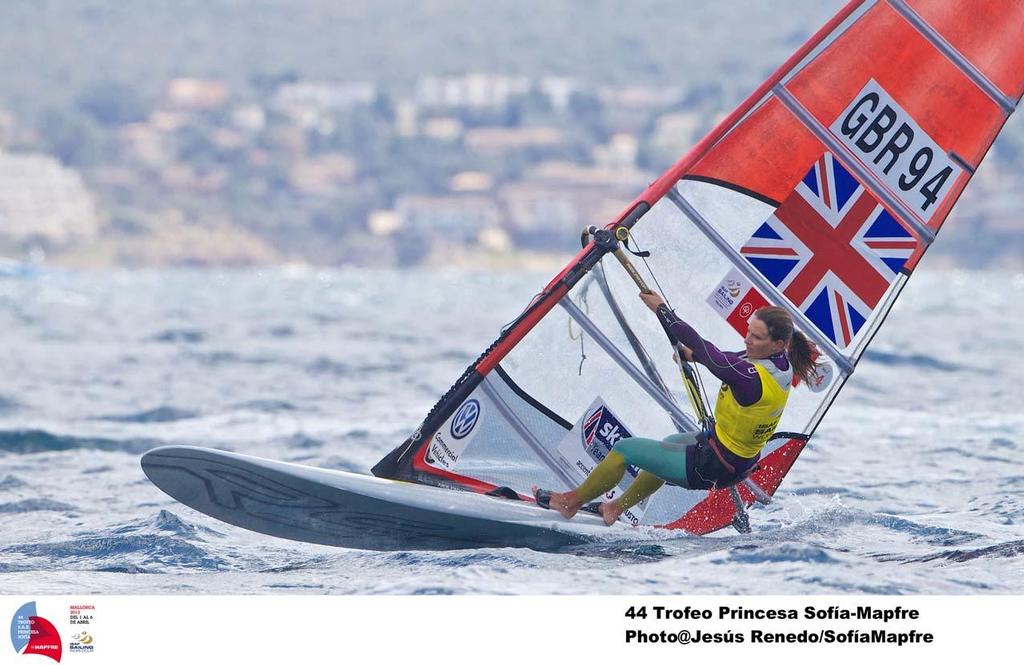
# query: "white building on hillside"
{"type": "Point", "coordinates": [43, 201]}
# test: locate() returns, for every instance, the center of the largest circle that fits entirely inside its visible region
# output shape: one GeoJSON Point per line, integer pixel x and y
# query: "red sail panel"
{"type": "Point", "coordinates": [987, 32]}
{"type": "Point", "coordinates": [766, 154]}
{"type": "Point", "coordinates": [883, 46]}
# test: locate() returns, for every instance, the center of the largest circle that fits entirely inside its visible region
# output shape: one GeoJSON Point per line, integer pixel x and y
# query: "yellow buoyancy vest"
{"type": "Point", "coordinates": [745, 429]}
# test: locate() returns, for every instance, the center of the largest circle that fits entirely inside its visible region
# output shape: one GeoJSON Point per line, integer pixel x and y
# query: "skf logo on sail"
{"type": "Point", "coordinates": [32, 634]}
{"type": "Point", "coordinates": [602, 430]}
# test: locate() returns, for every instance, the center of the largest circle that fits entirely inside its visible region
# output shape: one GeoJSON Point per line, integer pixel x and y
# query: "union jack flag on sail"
{"type": "Point", "coordinates": [832, 249]}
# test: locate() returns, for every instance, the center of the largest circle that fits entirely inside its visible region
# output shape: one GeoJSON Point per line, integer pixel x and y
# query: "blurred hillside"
{"type": "Point", "coordinates": [241, 132]}
{"type": "Point", "coordinates": [52, 49]}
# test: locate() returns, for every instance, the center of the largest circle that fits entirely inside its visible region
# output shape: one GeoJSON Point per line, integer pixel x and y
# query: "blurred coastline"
{"type": "Point", "coordinates": [348, 138]}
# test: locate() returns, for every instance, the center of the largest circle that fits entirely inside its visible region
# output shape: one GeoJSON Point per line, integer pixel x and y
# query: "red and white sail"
{"type": "Point", "coordinates": [819, 193]}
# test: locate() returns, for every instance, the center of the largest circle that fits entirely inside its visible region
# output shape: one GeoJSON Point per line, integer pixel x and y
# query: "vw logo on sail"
{"type": "Point", "coordinates": [465, 419]}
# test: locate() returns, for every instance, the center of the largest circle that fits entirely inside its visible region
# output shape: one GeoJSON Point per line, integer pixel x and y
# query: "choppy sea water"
{"type": "Point", "coordinates": [914, 483]}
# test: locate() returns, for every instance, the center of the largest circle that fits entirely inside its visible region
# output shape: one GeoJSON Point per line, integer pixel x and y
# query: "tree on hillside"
{"type": "Point", "coordinates": [112, 103]}
{"type": "Point", "coordinates": [71, 137]}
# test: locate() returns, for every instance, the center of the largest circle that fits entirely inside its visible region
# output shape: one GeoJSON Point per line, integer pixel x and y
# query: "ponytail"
{"type": "Point", "coordinates": [801, 357]}
{"type": "Point", "coordinates": [799, 349]}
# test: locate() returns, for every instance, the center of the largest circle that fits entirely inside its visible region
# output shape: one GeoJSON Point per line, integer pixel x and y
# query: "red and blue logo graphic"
{"type": "Point", "coordinates": [601, 431]}
{"type": "Point", "coordinates": [590, 425]}
{"type": "Point", "coordinates": [31, 633]}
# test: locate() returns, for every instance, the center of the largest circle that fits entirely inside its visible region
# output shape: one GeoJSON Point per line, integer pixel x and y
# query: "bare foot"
{"type": "Point", "coordinates": [565, 503]}
{"type": "Point", "coordinates": [610, 511]}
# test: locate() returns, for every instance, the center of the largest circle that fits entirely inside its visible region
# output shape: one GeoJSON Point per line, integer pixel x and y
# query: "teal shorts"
{"type": "Point", "coordinates": [665, 459]}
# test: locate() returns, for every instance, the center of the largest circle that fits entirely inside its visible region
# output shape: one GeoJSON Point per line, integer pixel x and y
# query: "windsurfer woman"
{"type": "Point", "coordinates": [755, 388]}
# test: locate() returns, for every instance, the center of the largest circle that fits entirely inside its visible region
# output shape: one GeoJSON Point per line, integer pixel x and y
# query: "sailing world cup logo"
{"type": "Point", "coordinates": [465, 419]}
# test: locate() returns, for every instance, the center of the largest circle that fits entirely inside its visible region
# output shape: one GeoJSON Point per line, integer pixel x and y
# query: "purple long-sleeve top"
{"type": "Point", "coordinates": [732, 367]}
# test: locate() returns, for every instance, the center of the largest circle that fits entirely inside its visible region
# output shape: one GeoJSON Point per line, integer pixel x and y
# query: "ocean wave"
{"type": "Point", "coordinates": [316, 563]}
{"type": "Point", "coordinates": [840, 586]}
{"type": "Point", "coordinates": [382, 367]}
{"type": "Point", "coordinates": [324, 319]}
{"type": "Point", "coordinates": [161, 414]}
{"type": "Point", "coordinates": [626, 552]}
{"type": "Point", "coordinates": [778, 553]}
{"type": "Point", "coordinates": [445, 559]}
{"type": "Point", "coordinates": [828, 490]}
{"type": "Point", "coordinates": [97, 469]}
{"type": "Point", "coordinates": [344, 464]}
{"type": "Point", "coordinates": [281, 332]}
{"type": "Point", "coordinates": [1009, 508]}
{"type": "Point", "coordinates": [829, 534]}
{"type": "Point", "coordinates": [383, 336]}
{"type": "Point", "coordinates": [151, 545]}
{"type": "Point", "coordinates": [219, 358]}
{"type": "Point", "coordinates": [325, 365]}
{"type": "Point", "coordinates": [455, 354]}
{"type": "Point", "coordinates": [166, 522]}
{"type": "Point", "coordinates": [266, 405]}
{"type": "Point", "coordinates": [916, 360]}
{"type": "Point", "coordinates": [966, 452]}
{"type": "Point", "coordinates": [296, 586]}
{"type": "Point", "coordinates": [10, 482]}
{"type": "Point", "coordinates": [834, 518]}
{"type": "Point", "coordinates": [1002, 550]}
{"type": "Point", "coordinates": [34, 506]}
{"type": "Point", "coordinates": [303, 441]}
{"type": "Point", "coordinates": [925, 533]}
{"type": "Point", "coordinates": [179, 336]}
{"type": "Point", "coordinates": [134, 553]}
{"type": "Point", "coordinates": [30, 441]}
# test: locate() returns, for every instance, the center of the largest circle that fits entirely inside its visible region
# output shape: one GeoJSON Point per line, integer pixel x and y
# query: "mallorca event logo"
{"type": "Point", "coordinates": [31, 633]}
